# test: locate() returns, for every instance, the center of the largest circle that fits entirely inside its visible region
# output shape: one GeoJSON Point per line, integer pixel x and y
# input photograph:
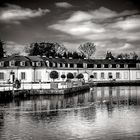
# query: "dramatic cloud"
{"type": "Point", "coordinates": [15, 13]}
{"type": "Point", "coordinates": [13, 47]}
{"type": "Point", "coordinates": [108, 29]}
{"type": "Point", "coordinates": [63, 4]}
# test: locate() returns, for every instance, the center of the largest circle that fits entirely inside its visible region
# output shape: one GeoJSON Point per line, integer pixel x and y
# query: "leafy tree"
{"type": "Point", "coordinates": [80, 76]}
{"type": "Point", "coordinates": [70, 75]}
{"type": "Point", "coordinates": [88, 49]}
{"type": "Point", "coordinates": [134, 55]}
{"type": "Point", "coordinates": [63, 76]}
{"type": "Point", "coordinates": [91, 76]}
{"type": "Point", "coordinates": [46, 48]}
{"type": "Point", "coordinates": [69, 54]}
{"type": "Point", "coordinates": [1, 49]}
{"type": "Point", "coordinates": [54, 75]}
{"type": "Point", "coordinates": [123, 56]}
{"type": "Point", "coordinates": [109, 55]}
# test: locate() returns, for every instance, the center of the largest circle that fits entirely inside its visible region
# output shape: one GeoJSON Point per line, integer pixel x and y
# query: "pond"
{"type": "Point", "coordinates": [102, 113]}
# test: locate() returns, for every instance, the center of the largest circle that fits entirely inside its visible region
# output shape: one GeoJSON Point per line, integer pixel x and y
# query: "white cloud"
{"type": "Point", "coordinates": [63, 4]}
{"type": "Point", "coordinates": [15, 13]}
{"type": "Point", "coordinates": [130, 23]}
{"type": "Point", "coordinates": [103, 26]}
{"type": "Point", "coordinates": [13, 47]}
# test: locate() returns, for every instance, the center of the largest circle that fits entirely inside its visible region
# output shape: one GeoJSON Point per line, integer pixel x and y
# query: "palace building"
{"type": "Point", "coordinates": [37, 68]}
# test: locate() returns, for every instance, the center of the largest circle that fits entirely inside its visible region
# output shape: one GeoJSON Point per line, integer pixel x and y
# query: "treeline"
{"type": "Point", "coordinates": [131, 55]}
{"type": "Point", "coordinates": [54, 49]}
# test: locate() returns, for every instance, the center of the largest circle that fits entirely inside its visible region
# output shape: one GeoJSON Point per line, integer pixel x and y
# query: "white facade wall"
{"type": "Point", "coordinates": [42, 74]}
{"type": "Point", "coordinates": [17, 74]}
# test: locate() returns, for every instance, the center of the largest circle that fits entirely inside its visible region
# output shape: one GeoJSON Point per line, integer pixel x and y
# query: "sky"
{"type": "Point", "coordinates": [112, 25]}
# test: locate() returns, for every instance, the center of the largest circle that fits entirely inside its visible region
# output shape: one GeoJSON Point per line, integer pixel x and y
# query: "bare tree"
{"type": "Point", "coordinates": [88, 49]}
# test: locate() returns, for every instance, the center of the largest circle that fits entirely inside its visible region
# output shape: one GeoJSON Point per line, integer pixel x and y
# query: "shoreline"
{"type": "Point", "coordinates": [63, 91]}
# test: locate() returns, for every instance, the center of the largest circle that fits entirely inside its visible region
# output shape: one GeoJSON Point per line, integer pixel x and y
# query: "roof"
{"type": "Point", "coordinates": [15, 58]}
{"type": "Point", "coordinates": [90, 61]}
{"type": "Point", "coordinates": [66, 61]}
{"type": "Point", "coordinates": [35, 58]}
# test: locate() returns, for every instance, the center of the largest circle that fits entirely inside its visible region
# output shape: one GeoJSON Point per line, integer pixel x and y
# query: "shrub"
{"type": "Point", "coordinates": [70, 76]}
{"type": "Point", "coordinates": [63, 76]}
{"type": "Point", "coordinates": [91, 76]}
{"type": "Point", "coordinates": [54, 75]}
{"type": "Point", "coordinates": [80, 76]}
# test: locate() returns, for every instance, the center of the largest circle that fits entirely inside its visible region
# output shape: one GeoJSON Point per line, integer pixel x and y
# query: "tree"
{"type": "Point", "coordinates": [109, 55]}
{"type": "Point", "coordinates": [54, 75]}
{"type": "Point", "coordinates": [46, 48]}
{"type": "Point", "coordinates": [88, 49]}
{"type": "Point", "coordinates": [63, 76]}
{"type": "Point", "coordinates": [91, 76]}
{"type": "Point", "coordinates": [123, 56]}
{"type": "Point", "coordinates": [80, 76]}
{"type": "Point", "coordinates": [70, 75]}
{"type": "Point", "coordinates": [1, 49]}
{"type": "Point", "coordinates": [134, 55]}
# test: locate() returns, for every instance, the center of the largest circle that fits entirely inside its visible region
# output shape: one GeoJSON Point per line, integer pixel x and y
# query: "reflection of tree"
{"type": "Point", "coordinates": [102, 94]}
{"type": "Point", "coordinates": [110, 103]}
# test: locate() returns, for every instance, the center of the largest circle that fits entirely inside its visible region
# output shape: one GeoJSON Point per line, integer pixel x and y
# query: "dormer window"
{"type": "Point", "coordinates": [12, 63]}
{"type": "Point", "coordinates": [22, 63]}
{"type": "Point", "coordinates": [1, 64]}
{"type": "Point", "coordinates": [38, 64]}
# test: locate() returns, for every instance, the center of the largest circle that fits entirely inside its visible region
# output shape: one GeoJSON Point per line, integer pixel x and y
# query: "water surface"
{"type": "Point", "coordinates": [103, 113]}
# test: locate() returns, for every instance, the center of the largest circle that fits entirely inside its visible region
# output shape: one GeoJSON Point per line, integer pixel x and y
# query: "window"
{"type": "Point", "coordinates": [12, 63]}
{"type": "Point", "coordinates": [90, 65]}
{"type": "Point", "coordinates": [98, 65]}
{"type": "Point", "coordinates": [1, 64]}
{"type": "Point", "coordinates": [1, 76]}
{"type": "Point", "coordinates": [113, 65]}
{"type": "Point", "coordinates": [125, 75]}
{"type": "Point", "coordinates": [50, 64]}
{"type": "Point", "coordinates": [38, 75]}
{"type": "Point", "coordinates": [66, 65]}
{"type": "Point", "coordinates": [23, 76]}
{"type": "Point", "coordinates": [138, 75]}
{"type": "Point", "coordinates": [79, 65]}
{"type": "Point", "coordinates": [117, 75]}
{"type": "Point", "coordinates": [102, 75]}
{"type": "Point", "coordinates": [22, 63]}
{"type": "Point", "coordinates": [109, 75]}
{"type": "Point", "coordinates": [71, 65]}
{"type": "Point", "coordinates": [95, 75]}
{"type": "Point", "coordinates": [61, 65]}
{"type": "Point", "coordinates": [121, 65]}
{"type": "Point", "coordinates": [106, 65]}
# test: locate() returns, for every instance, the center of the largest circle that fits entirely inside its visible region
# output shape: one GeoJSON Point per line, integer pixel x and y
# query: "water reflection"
{"type": "Point", "coordinates": [102, 113]}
